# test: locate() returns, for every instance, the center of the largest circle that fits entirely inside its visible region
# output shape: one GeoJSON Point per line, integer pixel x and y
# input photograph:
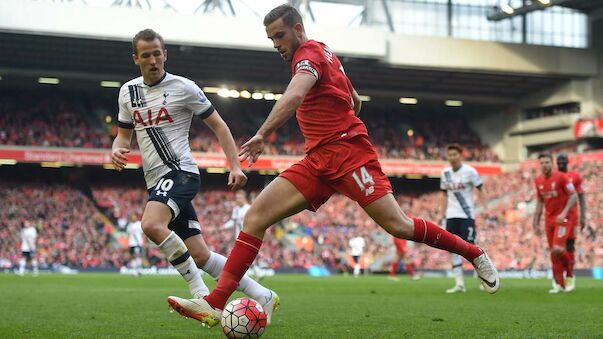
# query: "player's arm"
{"type": "Point", "coordinates": [568, 206]}
{"type": "Point", "coordinates": [537, 214]}
{"type": "Point", "coordinates": [443, 205]}
{"type": "Point", "coordinates": [357, 102]}
{"type": "Point", "coordinates": [483, 200]}
{"type": "Point", "coordinates": [236, 178]}
{"type": "Point", "coordinates": [282, 111]}
{"type": "Point", "coordinates": [582, 203]}
{"type": "Point", "coordinates": [121, 146]}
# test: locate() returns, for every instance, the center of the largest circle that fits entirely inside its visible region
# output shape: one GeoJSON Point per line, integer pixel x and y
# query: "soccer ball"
{"type": "Point", "coordinates": [243, 318]}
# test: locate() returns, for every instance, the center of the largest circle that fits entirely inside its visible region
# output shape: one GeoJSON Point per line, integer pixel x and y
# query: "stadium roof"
{"type": "Point", "coordinates": [89, 59]}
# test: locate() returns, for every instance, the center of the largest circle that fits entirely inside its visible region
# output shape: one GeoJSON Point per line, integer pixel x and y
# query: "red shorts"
{"type": "Point", "coordinates": [349, 167]}
{"type": "Point", "coordinates": [400, 246]}
{"type": "Point", "coordinates": [557, 234]}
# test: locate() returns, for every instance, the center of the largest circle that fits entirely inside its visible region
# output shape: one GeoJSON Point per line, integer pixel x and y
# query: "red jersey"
{"type": "Point", "coordinates": [327, 112]}
{"type": "Point", "coordinates": [554, 192]}
{"type": "Point", "coordinates": [576, 180]}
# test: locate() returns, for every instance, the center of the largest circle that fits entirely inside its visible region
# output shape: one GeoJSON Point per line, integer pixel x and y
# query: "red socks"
{"type": "Point", "coordinates": [571, 261]}
{"type": "Point", "coordinates": [435, 236]}
{"type": "Point", "coordinates": [393, 269]}
{"type": "Point", "coordinates": [243, 254]}
{"type": "Point", "coordinates": [410, 269]}
{"type": "Point", "coordinates": [558, 268]}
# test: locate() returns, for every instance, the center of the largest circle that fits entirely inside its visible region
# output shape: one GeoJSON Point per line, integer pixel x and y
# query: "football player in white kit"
{"type": "Point", "coordinates": [29, 236]}
{"type": "Point", "coordinates": [160, 107]}
{"type": "Point", "coordinates": [457, 183]}
{"type": "Point", "coordinates": [135, 244]}
{"type": "Point", "coordinates": [357, 244]}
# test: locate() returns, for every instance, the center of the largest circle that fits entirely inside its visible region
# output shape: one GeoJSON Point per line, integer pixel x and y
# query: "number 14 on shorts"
{"type": "Point", "coordinates": [364, 180]}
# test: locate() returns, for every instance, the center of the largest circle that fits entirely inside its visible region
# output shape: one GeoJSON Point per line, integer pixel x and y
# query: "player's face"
{"type": "Point", "coordinates": [285, 39]}
{"type": "Point", "coordinates": [562, 165]}
{"type": "Point", "coordinates": [454, 157]}
{"type": "Point", "coordinates": [546, 165]}
{"type": "Point", "coordinates": [151, 58]}
{"type": "Point", "coordinates": [241, 199]}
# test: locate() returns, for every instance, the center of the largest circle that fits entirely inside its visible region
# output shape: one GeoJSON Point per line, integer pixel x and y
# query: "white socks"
{"type": "Point", "coordinates": [252, 288]}
{"type": "Point", "coordinates": [457, 269]}
{"type": "Point", "coordinates": [356, 269]}
{"type": "Point", "coordinates": [177, 254]}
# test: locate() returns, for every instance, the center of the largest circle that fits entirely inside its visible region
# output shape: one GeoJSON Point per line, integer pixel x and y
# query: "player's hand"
{"type": "Point", "coordinates": [119, 158]}
{"type": "Point", "coordinates": [561, 218]}
{"type": "Point", "coordinates": [252, 149]}
{"type": "Point", "coordinates": [236, 179]}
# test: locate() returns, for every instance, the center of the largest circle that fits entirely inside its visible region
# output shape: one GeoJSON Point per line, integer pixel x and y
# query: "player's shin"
{"type": "Point", "coordinates": [433, 235]}
{"type": "Point", "coordinates": [243, 254]}
{"type": "Point", "coordinates": [214, 267]}
{"type": "Point", "coordinates": [457, 270]}
{"type": "Point", "coordinates": [176, 252]}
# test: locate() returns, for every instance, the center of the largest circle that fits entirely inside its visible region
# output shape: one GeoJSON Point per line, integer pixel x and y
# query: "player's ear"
{"type": "Point", "coordinates": [135, 59]}
{"type": "Point", "coordinates": [165, 55]}
{"type": "Point", "coordinates": [298, 28]}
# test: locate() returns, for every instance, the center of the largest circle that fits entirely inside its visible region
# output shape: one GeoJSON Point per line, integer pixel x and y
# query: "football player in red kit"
{"type": "Point", "coordinates": [576, 180]}
{"type": "Point", "coordinates": [339, 158]}
{"type": "Point", "coordinates": [402, 255]}
{"type": "Point", "coordinates": [557, 195]}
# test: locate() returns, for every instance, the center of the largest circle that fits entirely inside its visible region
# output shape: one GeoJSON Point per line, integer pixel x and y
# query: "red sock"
{"type": "Point", "coordinates": [435, 236]}
{"type": "Point", "coordinates": [243, 254]}
{"type": "Point", "coordinates": [410, 269]}
{"type": "Point", "coordinates": [393, 269]}
{"type": "Point", "coordinates": [566, 261]}
{"type": "Point", "coordinates": [571, 257]}
{"type": "Point", "coordinates": [558, 270]}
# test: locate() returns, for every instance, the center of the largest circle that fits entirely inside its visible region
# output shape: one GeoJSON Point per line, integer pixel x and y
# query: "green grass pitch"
{"type": "Point", "coordinates": [114, 306]}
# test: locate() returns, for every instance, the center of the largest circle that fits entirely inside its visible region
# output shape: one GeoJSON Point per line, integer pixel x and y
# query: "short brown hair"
{"type": "Point", "coordinates": [289, 14]}
{"type": "Point", "coordinates": [456, 147]}
{"type": "Point", "coordinates": [146, 35]}
{"type": "Point", "coordinates": [545, 155]}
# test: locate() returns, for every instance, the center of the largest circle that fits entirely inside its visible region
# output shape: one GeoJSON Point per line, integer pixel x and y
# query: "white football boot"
{"type": "Point", "coordinates": [456, 289]}
{"type": "Point", "coordinates": [487, 272]}
{"type": "Point", "coordinates": [271, 304]}
{"type": "Point", "coordinates": [570, 284]}
{"type": "Point", "coordinates": [556, 288]}
{"type": "Point", "coordinates": [196, 308]}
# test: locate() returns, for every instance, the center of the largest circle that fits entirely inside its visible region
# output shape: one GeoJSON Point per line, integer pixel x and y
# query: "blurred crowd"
{"type": "Point", "coordinates": [81, 231]}
{"type": "Point", "coordinates": [69, 120]}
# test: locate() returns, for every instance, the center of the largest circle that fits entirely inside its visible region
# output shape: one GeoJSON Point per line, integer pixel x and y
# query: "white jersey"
{"type": "Point", "coordinates": [459, 186]}
{"type": "Point", "coordinates": [135, 234]}
{"type": "Point", "coordinates": [237, 217]}
{"type": "Point", "coordinates": [356, 245]}
{"type": "Point", "coordinates": [28, 239]}
{"type": "Point", "coordinates": [161, 115]}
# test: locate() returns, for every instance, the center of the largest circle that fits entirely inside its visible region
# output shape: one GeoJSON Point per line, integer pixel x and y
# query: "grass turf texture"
{"type": "Point", "coordinates": [114, 306]}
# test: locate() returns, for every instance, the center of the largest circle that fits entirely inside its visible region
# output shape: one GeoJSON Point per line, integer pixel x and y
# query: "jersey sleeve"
{"type": "Point", "coordinates": [566, 184]}
{"type": "Point", "coordinates": [197, 102]}
{"type": "Point", "coordinates": [124, 117]}
{"type": "Point", "coordinates": [476, 180]}
{"type": "Point", "coordinates": [308, 59]}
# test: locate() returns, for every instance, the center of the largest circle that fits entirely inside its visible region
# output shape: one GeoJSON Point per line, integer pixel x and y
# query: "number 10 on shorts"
{"type": "Point", "coordinates": [163, 186]}
{"type": "Point", "coordinates": [363, 180]}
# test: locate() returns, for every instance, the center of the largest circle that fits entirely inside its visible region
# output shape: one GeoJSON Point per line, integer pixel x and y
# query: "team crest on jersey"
{"type": "Point", "coordinates": [165, 95]}
{"type": "Point", "coordinates": [305, 65]}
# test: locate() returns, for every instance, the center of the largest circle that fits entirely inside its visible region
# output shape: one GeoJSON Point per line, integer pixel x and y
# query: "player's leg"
{"type": "Point", "coordinates": [155, 220]}
{"type": "Point", "coordinates": [394, 266]}
{"type": "Point", "coordinates": [356, 265]}
{"type": "Point", "coordinates": [34, 264]}
{"type": "Point", "coordinates": [571, 257]}
{"type": "Point", "coordinates": [386, 212]}
{"type": "Point", "coordinates": [22, 263]}
{"type": "Point", "coordinates": [559, 254]}
{"type": "Point", "coordinates": [410, 269]}
{"type": "Point", "coordinates": [280, 199]}
{"type": "Point", "coordinates": [454, 226]}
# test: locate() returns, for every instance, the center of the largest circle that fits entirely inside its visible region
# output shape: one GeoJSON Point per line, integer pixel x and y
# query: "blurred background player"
{"type": "Point", "coordinates": [557, 194]}
{"type": "Point", "coordinates": [357, 244]}
{"type": "Point", "coordinates": [575, 178]}
{"type": "Point", "coordinates": [401, 255]}
{"type": "Point", "coordinates": [135, 243]}
{"type": "Point", "coordinates": [29, 236]}
{"type": "Point", "coordinates": [457, 183]}
{"type": "Point", "coordinates": [236, 222]}
{"type": "Point", "coordinates": [169, 103]}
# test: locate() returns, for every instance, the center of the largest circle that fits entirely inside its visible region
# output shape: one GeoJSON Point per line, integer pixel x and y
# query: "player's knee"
{"type": "Point", "coordinates": [152, 229]}
{"type": "Point", "coordinates": [254, 222]}
{"type": "Point", "coordinates": [570, 245]}
{"type": "Point", "coordinates": [557, 251]}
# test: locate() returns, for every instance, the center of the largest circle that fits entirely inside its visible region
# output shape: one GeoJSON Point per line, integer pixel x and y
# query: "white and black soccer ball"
{"type": "Point", "coordinates": [243, 318]}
